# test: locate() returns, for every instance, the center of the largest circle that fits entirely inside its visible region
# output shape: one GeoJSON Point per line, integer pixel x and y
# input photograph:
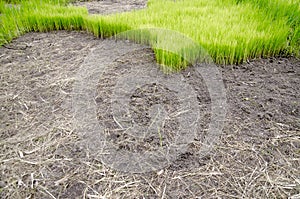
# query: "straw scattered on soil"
{"type": "Point", "coordinates": [258, 154]}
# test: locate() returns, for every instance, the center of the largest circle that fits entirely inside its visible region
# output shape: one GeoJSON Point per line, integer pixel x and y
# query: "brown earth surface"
{"type": "Point", "coordinates": [42, 155]}
{"type": "Point", "coordinates": [105, 7]}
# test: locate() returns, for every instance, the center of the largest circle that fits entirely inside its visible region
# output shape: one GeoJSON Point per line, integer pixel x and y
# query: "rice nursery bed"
{"type": "Point", "coordinates": [42, 153]}
{"type": "Point", "coordinates": [232, 31]}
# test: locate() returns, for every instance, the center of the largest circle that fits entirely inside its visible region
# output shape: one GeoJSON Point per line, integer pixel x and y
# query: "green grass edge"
{"type": "Point", "coordinates": [47, 15]}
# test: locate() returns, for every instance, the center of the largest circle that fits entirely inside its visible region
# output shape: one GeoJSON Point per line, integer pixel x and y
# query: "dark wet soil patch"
{"type": "Point", "coordinates": [141, 101]}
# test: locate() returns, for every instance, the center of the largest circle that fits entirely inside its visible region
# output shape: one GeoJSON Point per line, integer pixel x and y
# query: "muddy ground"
{"type": "Point", "coordinates": [42, 156]}
{"type": "Point", "coordinates": [105, 7]}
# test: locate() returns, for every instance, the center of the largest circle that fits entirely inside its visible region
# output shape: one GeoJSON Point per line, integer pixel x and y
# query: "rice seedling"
{"type": "Point", "coordinates": [286, 9]}
{"type": "Point", "coordinates": [231, 31]}
{"type": "Point", "coordinates": [10, 24]}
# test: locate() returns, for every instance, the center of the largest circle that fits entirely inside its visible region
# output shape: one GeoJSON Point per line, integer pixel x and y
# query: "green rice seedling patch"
{"type": "Point", "coordinates": [231, 31]}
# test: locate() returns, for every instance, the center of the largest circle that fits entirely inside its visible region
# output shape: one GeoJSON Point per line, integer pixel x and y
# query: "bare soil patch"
{"type": "Point", "coordinates": [105, 7]}
{"type": "Point", "coordinates": [41, 153]}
